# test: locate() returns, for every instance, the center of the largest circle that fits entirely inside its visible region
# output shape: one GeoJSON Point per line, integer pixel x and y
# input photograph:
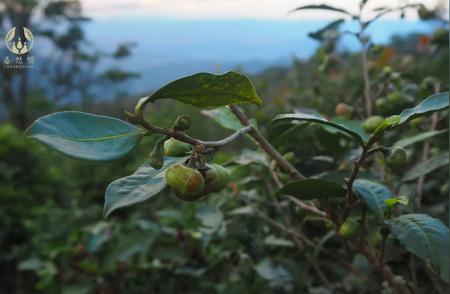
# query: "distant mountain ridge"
{"type": "Point", "coordinates": [170, 48]}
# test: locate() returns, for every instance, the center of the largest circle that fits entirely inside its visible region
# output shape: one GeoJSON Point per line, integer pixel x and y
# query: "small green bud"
{"type": "Point", "coordinates": [182, 123]}
{"type": "Point", "coordinates": [156, 157]}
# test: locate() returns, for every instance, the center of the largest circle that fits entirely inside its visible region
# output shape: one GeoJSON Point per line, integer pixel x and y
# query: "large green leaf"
{"type": "Point", "coordinates": [427, 166]}
{"type": "Point", "coordinates": [418, 138]}
{"type": "Point", "coordinates": [208, 90]}
{"type": "Point", "coordinates": [86, 136]}
{"type": "Point", "coordinates": [322, 7]}
{"type": "Point", "coordinates": [143, 184]}
{"type": "Point", "coordinates": [426, 237]}
{"type": "Point", "coordinates": [431, 104]}
{"type": "Point", "coordinates": [374, 195]}
{"type": "Point", "coordinates": [224, 117]}
{"type": "Point", "coordinates": [321, 120]}
{"type": "Point", "coordinates": [309, 189]}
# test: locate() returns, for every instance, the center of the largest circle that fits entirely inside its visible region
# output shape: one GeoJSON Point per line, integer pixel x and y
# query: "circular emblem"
{"type": "Point", "coordinates": [19, 41]}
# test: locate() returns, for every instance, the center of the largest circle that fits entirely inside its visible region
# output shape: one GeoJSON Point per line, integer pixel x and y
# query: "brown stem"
{"type": "Point", "coordinates": [382, 248]}
{"type": "Point", "coordinates": [363, 225]}
{"type": "Point", "coordinates": [383, 269]}
{"type": "Point", "coordinates": [171, 133]}
{"type": "Point", "coordinates": [365, 69]}
{"type": "Point", "coordinates": [265, 145]}
{"type": "Point", "coordinates": [412, 267]}
{"type": "Point", "coordinates": [306, 206]}
{"type": "Point", "coordinates": [425, 154]}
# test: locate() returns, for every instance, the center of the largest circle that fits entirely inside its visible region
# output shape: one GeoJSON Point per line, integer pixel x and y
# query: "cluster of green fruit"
{"type": "Point", "coordinates": [188, 183]}
{"type": "Point", "coordinates": [391, 103]}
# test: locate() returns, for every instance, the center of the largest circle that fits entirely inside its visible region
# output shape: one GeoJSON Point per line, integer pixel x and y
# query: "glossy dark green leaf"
{"type": "Point", "coordinates": [419, 137]}
{"type": "Point", "coordinates": [309, 189]}
{"type": "Point", "coordinates": [321, 120]}
{"type": "Point", "coordinates": [224, 117]}
{"type": "Point", "coordinates": [431, 104]}
{"type": "Point", "coordinates": [208, 90]}
{"type": "Point", "coordinates": [426, 237]}
{"type": "Point", "coordinates": [143, 184]}
{"type": "Point", "coordinates": [322, 7]}
{"type": "Point", "coordinates": [86, 136]}
{"type": "Point", "coordinates": [374, 195]}
{"type": "Point", "coordinates": [427, 166]}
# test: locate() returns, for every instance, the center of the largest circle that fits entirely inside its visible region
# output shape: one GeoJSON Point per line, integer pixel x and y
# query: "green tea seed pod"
{"type": "Point", "coordinates": [395, 98]}
{"type": "Point", "coordinates": [216, 177]}
{"type": "Point", "coordinates": [175, 148]}
{"type": "Point", "coordinates": [397, 158]}
{"type": "Point", "coordinates": [349, 229]}
{"type": "Point", "coordinates": [187, 182]}
{"type": "Point", "coordinates": [182, 123]}
{"type": "Point", "coordinates": [372, 123]}
{"type": "Point", "coordinates": [381, 105]}
{"type": "Point", "coordinates": [156, 157]}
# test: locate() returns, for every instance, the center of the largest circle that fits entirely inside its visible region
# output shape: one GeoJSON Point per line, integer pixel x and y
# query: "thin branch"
{"type": "Point", "coordinates": [265, 145]}
{"type": "Point", "coordinates": [306, 206]}
{"type": "Point", "coordinates": [425, 155]}
{"type": "Point", "coordinates": [365, 68]}
{"type": "Point", "coordinates": [412, 267]}
{"type": "Point", "coordinates": [171, 133]}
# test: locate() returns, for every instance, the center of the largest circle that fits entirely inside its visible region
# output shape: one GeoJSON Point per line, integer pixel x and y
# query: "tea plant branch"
{"type": "Point", "coordinates": [265, 145]}
{"type": "Point", "coordinates": [385, 270]}
{"type": "Point", "coordinates": [412, 268]}
{"type": "Point", "coordinates": [306, 206]}
{"type": "Point", "coordinates": [288, 223]}
{"type": "Point", "coordinates": [307, 242]}
{"type": "Point", "coordinates": [171, 133]}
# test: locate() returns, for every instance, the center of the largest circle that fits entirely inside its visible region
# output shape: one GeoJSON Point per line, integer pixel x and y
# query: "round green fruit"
{"type": "Point", "coordinates": [349, 229]}
{"type": "Point", "coordinates": [216, 178]}
{"type": "Point", "coordinates": [289, 156]}
{"type": "Point", "coordinates": [381, 105]}
{"type": "Point", "coordinates": [372, 123]}
{"type": "Point", "coordinates": [395, 97]}
{"type": "Point", "coordinates": [175, 148]}
{"type": "Point", "coordinates": [187, 182]}
{"type": "Point", "coordinates": [416, 122]}
{"type": "Point", "coordinates": [398, 158]}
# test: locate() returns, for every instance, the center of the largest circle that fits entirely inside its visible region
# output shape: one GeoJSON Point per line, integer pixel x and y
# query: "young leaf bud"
{"type": "Point", "coordinates": [182, 123]}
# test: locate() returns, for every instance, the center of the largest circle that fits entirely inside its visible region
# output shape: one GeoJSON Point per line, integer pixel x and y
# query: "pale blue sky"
{"type": "Point", "coordinates": [230, 9]}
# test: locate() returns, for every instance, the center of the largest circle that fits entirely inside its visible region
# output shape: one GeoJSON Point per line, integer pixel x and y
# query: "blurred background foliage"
{"type": "Point", "coordinates": [53, 238]}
